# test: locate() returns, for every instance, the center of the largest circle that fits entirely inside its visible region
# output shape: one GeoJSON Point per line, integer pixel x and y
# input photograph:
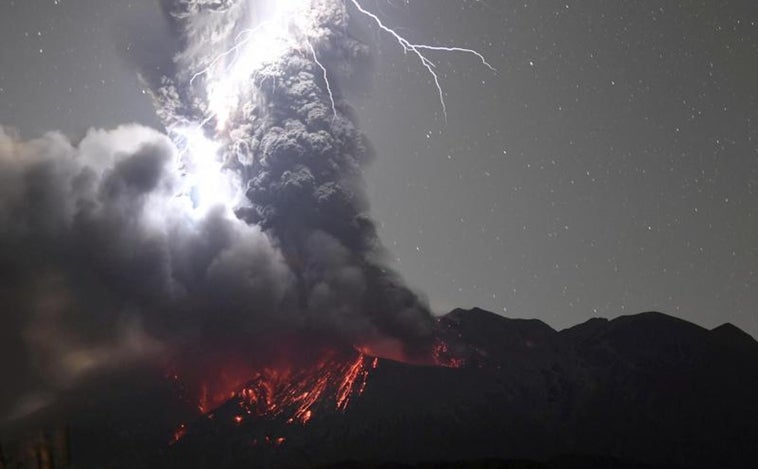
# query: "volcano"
{"type": "Point", "coordinates": [641, 391]}
{"type": "Point", "coordinates": [647, 390]}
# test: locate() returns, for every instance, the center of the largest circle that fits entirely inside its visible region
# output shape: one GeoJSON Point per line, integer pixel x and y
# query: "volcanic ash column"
{"type": "Point", "coordinates": [261, 81]}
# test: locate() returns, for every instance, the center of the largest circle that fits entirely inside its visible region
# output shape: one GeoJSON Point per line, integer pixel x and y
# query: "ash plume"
{"type": "Point", "coordinates": [292, 139]}
{"type": "Point", "coordinates": [116, 250]}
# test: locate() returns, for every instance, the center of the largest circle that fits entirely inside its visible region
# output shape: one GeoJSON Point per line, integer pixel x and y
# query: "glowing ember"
{"type": "Point", "coordinates": [202, 404]}
{"type": "Point", "coordinates": [179, 433]}
{"type": "Point", "coordinates": [443, 356]}
{"type": "Point", "coordinates": [357, 373]}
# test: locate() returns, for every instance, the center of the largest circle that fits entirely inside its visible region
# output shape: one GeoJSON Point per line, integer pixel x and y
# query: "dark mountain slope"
{"type": "Point", "coordinates": [648, 387]}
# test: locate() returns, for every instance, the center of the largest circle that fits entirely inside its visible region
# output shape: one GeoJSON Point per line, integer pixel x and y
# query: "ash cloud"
{"type": "Point", "coordinates": [103, 266]}
{"type": "Point", "coordinates": [302, 163]}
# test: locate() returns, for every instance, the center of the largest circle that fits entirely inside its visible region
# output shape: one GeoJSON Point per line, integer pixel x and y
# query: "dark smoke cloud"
{"type": "Point", "coordinates": [303, 165]}
{"type": "Point", "coordinates": [306, 186]}
{"type": "Point", "coordinates": [103, 265]}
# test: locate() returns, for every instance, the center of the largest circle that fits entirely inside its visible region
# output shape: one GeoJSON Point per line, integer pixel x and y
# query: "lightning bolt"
{"type": "Point", "coordinates": [231, 50]}
{"type": "Point", "coordinates": [326, 78]}
{"type": "Point", "coordinates": [416, 49]}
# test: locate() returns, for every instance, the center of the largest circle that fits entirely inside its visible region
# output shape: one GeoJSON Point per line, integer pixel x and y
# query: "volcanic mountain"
{"type": "Point", "coordinates": [647, 387]}
{"type": "Point", "coordinates": [646, 390]}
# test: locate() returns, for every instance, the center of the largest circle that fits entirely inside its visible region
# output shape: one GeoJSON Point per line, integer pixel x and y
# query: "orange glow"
{"type": "Point", "coordinates": [353, 382]}
{"type": "Point", "coordinates": [439, 354]}
{"type": "Point", "coordinates": [202, 404]}
{"type": "Point", "coordinates": [296, 385]}
{"type": "Point", "coordinates": [444, 357]}
{"type": "Point", "coordinates": [298, 393]}
{"type": "Point", "coordinates": [206, 384]}
{"type": "Point", "coordinates": [179, 433]}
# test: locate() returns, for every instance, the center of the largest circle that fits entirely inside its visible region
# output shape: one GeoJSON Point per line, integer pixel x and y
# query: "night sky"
{"type": "Point", "coordinates": [609, 167]}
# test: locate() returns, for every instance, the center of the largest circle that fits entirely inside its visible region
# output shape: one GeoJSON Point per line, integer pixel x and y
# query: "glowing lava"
{"type": "Point", "coordinates": [291, 393]}
{"type": "Point", "coordinates": [298, 394]}
{"type": "Point", "coordinates": [290, 390]}
{"type": "Point", "coordinates": [179, 433]}
{"type": "Point", "coordinates": [443, 356]}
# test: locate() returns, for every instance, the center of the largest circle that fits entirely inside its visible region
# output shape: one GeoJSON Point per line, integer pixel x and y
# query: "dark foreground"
{"type": "Point", "coordinates": [643, 391]}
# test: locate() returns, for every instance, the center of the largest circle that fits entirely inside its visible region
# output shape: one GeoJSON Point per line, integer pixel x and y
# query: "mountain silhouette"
{"type": "Point", "coordinates": [646, 390]}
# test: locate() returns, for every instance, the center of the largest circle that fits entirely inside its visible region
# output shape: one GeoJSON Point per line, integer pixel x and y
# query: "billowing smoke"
{"type": "Point", "coordinates": [248, 219]}
{"type": "Point", "coordinates": [291, 138]}
{"type": "Point", "coordinates": [102, 265]}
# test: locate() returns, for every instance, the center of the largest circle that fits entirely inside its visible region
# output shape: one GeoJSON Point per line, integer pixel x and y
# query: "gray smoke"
{"type": "Point", "coordinates": [302, 163]}
{"type": "Point", "coordinates": [102, 265]}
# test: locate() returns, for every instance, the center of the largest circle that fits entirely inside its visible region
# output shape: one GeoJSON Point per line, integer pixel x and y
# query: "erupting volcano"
{"type": "Point", "coordinates": [296, 394]}
{"type": "Point", "coordinates": [257, 115]}
{"type": "Point", "coordinates": [289, 389]}
{"type": "Point", "coordinates": [291, 392]}
{"type": "Point", "coordinates": [216, 294]}
{"type": "Point", "coordinates": [234, 254]}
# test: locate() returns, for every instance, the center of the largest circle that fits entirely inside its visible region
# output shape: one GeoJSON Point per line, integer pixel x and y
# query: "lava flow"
{"type": "Point", "coordinates": [292, 390]}
{"type": "Point", "coordinates": [297, 394]}
{"type": "Point", "coordinates": [289, 390]}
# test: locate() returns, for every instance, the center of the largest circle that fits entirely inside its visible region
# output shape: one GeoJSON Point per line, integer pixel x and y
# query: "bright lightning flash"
{"type": "Point", "coordinates": [253, 48]}
{"type": "Point", "coordinates": [226, 79]}
{"type": "Point", "coordinates": [325, 75]}
{"type": "Point", "coordinates": [206, 184]}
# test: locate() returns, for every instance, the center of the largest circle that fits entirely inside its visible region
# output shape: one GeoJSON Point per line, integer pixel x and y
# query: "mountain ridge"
{"type": "Point", "coordinates": [638, 391]}
{"type": "Point", "coordinates": [648, 387]}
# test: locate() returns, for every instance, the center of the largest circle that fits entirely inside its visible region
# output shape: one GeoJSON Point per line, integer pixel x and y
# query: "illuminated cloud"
{"type": "Point", "coordinates": [249, 217]}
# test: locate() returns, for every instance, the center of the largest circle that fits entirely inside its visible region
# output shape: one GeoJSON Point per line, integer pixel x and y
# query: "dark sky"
{"type": "Point", "coordinates": [609, 167]}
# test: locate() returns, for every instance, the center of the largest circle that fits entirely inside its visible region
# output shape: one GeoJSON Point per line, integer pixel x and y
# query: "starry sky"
{"type": "Point", "coordinates": [608, 167]}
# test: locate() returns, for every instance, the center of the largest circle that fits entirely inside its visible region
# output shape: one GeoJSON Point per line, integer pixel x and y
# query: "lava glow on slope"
{"type": "Point", "coordinates": [293, 393]}
{"type": "Point", "coordinates": [290, 391]}
{"type": "Point", "coordinates": [298, 394]}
